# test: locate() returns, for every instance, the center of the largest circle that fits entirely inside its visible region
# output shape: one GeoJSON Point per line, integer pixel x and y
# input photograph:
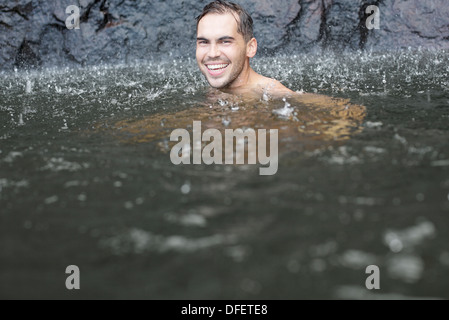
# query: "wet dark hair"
{"type": "Point", "coordinates": [245, 25]}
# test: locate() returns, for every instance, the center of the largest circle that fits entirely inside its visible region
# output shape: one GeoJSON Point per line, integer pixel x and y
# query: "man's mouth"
{"type": "Point", "coordinates": [217, 69]}
{"type": "Point", "coordinates": [216, 66]}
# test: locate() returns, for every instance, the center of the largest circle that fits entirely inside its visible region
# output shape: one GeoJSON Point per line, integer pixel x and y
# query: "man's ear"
{"type": "Point", "coordinates": [251, 48]}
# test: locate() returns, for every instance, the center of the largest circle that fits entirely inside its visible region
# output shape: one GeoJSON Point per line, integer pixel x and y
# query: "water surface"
{"type": "Point", "coordinates": [84, 181]}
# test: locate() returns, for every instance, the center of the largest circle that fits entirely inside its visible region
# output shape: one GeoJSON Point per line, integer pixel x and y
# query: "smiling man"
{"type": "Point", "coordinates": [225, 44]}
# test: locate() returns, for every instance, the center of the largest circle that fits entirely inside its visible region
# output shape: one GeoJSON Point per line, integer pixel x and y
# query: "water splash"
{"type": "Point", "coordinates": [21, 122]}
{"type": "Point", "coordinates": [29, 86]}
{"type": "Point", "coordinates": [65, 127]}
{"type": "Point", "coordinates": [287, 112]}
{"type": "Point", "coordinates": [400, 240]}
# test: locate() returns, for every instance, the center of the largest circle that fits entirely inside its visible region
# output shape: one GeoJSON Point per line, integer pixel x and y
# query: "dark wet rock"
{"type": "Point", "coordinates": [412, 24]}
{"type": "Point", "coordinates": [26, 57]}
{"type": "Point", "coordinates": [33, 32]}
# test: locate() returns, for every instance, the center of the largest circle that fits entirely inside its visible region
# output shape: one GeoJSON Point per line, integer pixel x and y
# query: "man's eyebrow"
{"type": "Point", "coordinates": [226, 38]}
{"type": "Point", "coordinates": [220, 39]}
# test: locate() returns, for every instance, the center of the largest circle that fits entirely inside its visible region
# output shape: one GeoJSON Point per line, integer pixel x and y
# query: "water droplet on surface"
{"type": "Point", "coordinates": [65, 127]}
{"type": "Point", "coordinates": [222, 103]}
{"type": "Point", "coordinates": [129, 205]}
{"type": "Point", "coordinates": [51, 200]}
{"type": "Point", "coordinates": [407, 268]}
{"type": "Point", "coordinates": [265, 97]}
{"type": "Point", "coordinates": [396, 245]}
{"type": "Point", "coordinates": [186, 188]}
{"type": "Point", "coordinates": [21, 122]}
{"type": "Point", "coordinates": [226, 122]}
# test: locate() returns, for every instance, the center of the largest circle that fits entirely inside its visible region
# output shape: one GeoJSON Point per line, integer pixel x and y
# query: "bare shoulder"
{"type": "Point", "coordinates": [279, 87]}
{"type": "Point", "coordinates": [274, 87]}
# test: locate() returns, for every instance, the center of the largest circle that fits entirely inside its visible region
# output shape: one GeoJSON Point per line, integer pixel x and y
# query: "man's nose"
{"type": "Point", "coordinates": [214, 51]}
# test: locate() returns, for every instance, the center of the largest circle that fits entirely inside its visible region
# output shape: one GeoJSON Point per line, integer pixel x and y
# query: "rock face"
{"type": "Point", "coordinates": [34, 32]}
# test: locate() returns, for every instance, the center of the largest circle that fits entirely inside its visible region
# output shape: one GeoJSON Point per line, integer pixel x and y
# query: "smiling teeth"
{"type": "Point", "coordinates": [216, 66]}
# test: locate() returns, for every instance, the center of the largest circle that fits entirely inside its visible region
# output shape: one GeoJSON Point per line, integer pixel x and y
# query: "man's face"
{"type": "Point", "coordinates": [221, 52]}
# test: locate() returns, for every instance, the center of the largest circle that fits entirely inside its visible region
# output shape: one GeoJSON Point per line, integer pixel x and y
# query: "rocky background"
{"type": "Point", "coordinates": [33, 32]}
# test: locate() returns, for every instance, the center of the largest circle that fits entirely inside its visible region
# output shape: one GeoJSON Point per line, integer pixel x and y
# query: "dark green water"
{"type": "Point", "coordinates": [139, 227]}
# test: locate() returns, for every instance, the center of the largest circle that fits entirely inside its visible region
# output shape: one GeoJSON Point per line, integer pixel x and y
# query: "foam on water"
{"type": "Point", "coordinates": [138, 241]}
{"type": "Point", "coordinates": [59, 164]}
{"type": "Point", "coordinates": [407, 239]}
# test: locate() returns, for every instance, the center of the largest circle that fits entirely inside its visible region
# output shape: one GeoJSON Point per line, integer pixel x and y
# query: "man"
{"type": "Point", "coordinates": [225, 44]}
